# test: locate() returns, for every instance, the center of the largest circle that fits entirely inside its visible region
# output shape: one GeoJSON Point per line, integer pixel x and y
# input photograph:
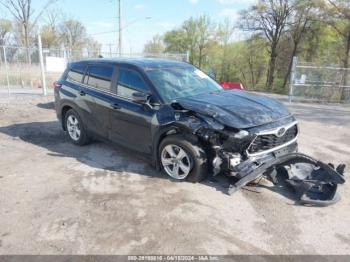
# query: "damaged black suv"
{"type": "Point", "coordinates": [188, 124]}
{"type": "Point", "coordinates": [175, 113]}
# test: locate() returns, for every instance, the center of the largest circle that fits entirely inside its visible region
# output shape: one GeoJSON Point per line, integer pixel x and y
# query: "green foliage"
{"type": "Point", "coordinates": [194, 35]}
{"type": "Point", "coordinates": [316, 31]}
{"type": "Point", "coordinates": [176, 41]}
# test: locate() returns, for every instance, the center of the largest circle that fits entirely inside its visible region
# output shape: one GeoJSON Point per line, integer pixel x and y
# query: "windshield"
{"type": "Point", "coordinates": [173, 83]}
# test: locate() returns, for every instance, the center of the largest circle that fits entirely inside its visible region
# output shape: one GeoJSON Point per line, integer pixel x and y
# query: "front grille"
{"type": "Point", "coordinates": [269, 141]}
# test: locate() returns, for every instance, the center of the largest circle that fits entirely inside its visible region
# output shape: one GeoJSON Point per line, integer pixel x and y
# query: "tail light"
{"type": "Point", "coordinates": [57, 85]}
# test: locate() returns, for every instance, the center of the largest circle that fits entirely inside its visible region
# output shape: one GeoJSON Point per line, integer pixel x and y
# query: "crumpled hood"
{"type": "Point", "coordinates": [235, 108]}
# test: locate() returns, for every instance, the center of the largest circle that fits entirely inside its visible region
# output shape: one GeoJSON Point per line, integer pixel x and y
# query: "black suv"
{"type": "Point", "coordinates": [186, 122]}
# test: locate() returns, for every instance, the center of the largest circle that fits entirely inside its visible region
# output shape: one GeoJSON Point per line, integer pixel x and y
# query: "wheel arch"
{"type": "Point", "coordinates": [165, 132]}
{"type": "Point", "coordinates": [65, 107]}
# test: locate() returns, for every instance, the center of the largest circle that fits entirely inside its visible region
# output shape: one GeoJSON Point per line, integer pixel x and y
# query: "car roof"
{"type": "Point", "coordinates": [144, 63]}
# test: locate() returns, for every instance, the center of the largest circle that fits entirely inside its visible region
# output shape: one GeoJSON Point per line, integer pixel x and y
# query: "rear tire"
{"type": "Point", "coordinates": [183, 159]}
{"type": "Point", "coordinates": [75, 128]}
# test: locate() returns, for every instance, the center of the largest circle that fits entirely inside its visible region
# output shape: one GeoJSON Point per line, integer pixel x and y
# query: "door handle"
{"type": "Point", "coordinates": [116, 106]}
{"type": "Point", "coordinates": [82, 93]}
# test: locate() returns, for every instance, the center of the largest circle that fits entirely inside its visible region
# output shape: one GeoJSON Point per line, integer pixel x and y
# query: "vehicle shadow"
{"type": "Point", "coordinates": [50, 136]}
{"type": "Point", "coordinates": [49, 105]}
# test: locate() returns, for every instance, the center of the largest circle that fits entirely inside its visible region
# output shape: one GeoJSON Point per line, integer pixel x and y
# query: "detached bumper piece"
{"type": "Point", "coordinates": [315, 183]}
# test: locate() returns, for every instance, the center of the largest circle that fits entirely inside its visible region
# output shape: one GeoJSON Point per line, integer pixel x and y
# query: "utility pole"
{"type": "Point", "coordinates": [120, 29]}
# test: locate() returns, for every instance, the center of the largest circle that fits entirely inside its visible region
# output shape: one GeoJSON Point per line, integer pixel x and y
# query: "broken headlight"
{"type": "Point", "coordinates": [241, 134]}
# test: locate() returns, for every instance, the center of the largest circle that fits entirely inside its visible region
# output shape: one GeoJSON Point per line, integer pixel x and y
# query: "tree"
{"type": "Point", "coordinates": [205, 29]}
{"type": "Point", "coordinates": [25, 15]}
{"type": "Point", "coordinates": [339, 19]}
{"type": "Point", "coordinates": [49, 31]}
{"type": "Point", "coordinates": [49, 37]}
{"type": "Point", "coordinates": [269, 17]}
{"type": "Point", "coordinates": [73, 35]}
{"type": "Point", "coordinates": [301, 21]}
{"type": "Point", "coordinates": [194, 36]}
{"type": "Point", "coordinates": [223, 35]}
{"type": "Point", "coordinates": [338, 14]}
{"type": "Point", "coordinates": [191, 38]}
{"type": "Point", "coordinates": [154, 46]}
{"type": "Point", "coordinates": [175, 41]}
{"type": "Point", "coordinates": [250, 60]}
{"type": "Point", "coordinates": [5, 29]}
{"type": "Point", "coordinates": [93, 47]}
{"type": "Point", "coordinates": [256, 54]}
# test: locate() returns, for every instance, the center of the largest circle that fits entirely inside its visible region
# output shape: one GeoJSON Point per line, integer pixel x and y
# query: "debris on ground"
{"type": "Point", "coordinates": [314, 182]}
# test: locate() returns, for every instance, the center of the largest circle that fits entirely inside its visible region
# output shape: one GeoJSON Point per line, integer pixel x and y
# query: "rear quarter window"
{"type": "Point", "coordinates": [76, 73]}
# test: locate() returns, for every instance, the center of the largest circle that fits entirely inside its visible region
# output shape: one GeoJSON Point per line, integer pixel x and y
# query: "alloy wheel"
{"type": "Point", "coordinates": [73, 127]}
{"type": "Point", "coordinates": [176, 161]}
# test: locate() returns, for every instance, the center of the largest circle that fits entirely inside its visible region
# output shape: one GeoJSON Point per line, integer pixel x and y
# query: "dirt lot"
{"type": "Point", "coordinates": [56, 198]}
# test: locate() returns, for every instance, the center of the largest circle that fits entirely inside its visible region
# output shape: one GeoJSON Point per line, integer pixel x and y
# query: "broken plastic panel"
{"type": "Point", "coordinates": [315, 183]}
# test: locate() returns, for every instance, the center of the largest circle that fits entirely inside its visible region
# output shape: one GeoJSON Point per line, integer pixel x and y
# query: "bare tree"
{"type": "Point", "coordinates": [73, 35]}
{"type": "Point", "coordinates": [270, 17]}
{"type": "Point", "coordinates": [50, 30]}
{"type": "Point", "coordinates": [24, 14]}
{"type": "Point", "coordinates": [93, 47]}
{"type": "Point", "coordinates": [53, 17]}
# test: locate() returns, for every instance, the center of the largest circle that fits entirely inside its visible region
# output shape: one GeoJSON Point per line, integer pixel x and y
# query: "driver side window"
{"type": "Point", "coordinates": [129, 82]}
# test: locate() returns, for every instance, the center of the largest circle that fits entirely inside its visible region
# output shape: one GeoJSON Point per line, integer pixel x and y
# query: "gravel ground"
{"type": "Point", "coordinates": [57, 198]}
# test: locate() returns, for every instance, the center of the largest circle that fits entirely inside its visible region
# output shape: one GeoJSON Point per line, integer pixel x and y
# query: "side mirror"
{"type": "Point", "coordinates": [140, 98]}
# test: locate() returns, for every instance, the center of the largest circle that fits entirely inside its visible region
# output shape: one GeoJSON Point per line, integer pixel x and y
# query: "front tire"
{"type": "Point", "coordinates": [183, 159]}
{"type": "Point", "coordinates": [76, 131]}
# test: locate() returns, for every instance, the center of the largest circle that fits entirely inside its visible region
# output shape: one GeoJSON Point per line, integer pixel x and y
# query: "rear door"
{"type": "Point", "coordinates": [130, 121]}
{"type": "Point", "coordinates": [72, 91]}
{"type": "Point", "coordinates": [97, 92]}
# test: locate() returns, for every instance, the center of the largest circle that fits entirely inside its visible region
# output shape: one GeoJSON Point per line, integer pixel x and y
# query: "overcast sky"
{"type": "Point", "coordinates": [101, 16]}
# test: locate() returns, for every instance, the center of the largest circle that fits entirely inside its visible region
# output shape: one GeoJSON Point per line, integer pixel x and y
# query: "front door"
{"type": "Point", "coordinates": [130, 122]}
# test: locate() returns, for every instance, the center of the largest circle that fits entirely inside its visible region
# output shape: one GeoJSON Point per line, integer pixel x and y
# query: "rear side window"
{"type": "Point", "coordinates": [129, 82]}
{"type": "Point", "coordinates": [76, 73]}
{"type": "Point", "coordinates": [100, 77]}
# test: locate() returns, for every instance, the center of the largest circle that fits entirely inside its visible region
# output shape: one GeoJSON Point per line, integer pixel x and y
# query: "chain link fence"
{"type": "Point", "coordinates": [21, 70]}
{"type": "Point", "coordinates": [15, 69]}
{"type": "Point", "coordinates": [319, 83]}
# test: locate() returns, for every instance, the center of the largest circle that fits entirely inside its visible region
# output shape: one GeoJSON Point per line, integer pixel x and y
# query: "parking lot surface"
{"type": "Point", "coordinates": [57, 198]}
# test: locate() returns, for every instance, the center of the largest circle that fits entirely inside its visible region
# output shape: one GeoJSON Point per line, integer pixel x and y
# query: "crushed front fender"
{"type": "Point", "coordinates": [314, 182]}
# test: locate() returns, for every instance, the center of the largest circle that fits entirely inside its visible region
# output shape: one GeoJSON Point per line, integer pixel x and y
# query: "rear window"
{"type": "Point", "coordinates": [76, 73]}
{"type": "Point", "coordinates": [100, 77]}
